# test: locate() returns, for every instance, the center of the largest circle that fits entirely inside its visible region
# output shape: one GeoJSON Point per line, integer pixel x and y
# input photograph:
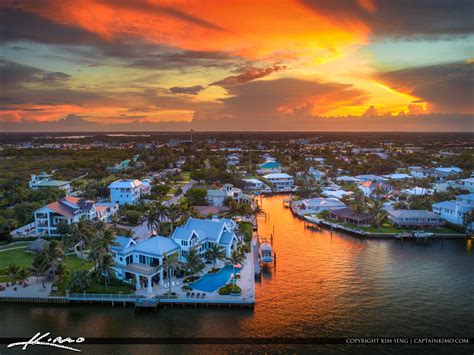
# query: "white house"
{"type": "Point", "coordinates": [398, 176]}
{"type": "Point", "coordinates": [216, 197]}
{"type": "Point", "coordinates": [467, 184]}
{"type": "Point", "coordinates": [417, 191]}
{"type": "Point", "coordinates": [315, 205]}
{"type": "Point", "coordinates": [142, 262]}
{"type": "Point", "coordinates": [419, 172]}
{"type": "Point", "coordinates": [369, 187]}
{"type": "Point", "coordinates": [256, 185]}
{"type": "Point", "coordinates": [281, 182]}
{"type": "Point", "coordinates": [453, 211]}
{"type": "Point", "coordinates": [106, 210]}
{"type": "Point", "coordinates": [316, 174]}
{"type": "Point", "coordinates": [44, 180]}
{"type": "Point", "coordinates": [67, 210]}
{"type": "Point", "coordinates": [128, 191]}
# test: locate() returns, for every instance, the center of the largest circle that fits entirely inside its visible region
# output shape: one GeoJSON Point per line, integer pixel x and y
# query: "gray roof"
{"type": "Point", "coordinates": [216, 193]}
{"type": "Point", "coordinates": [412, 214]}
{"type": "Point", "coordinates": [158, 245]}
{"type": "Point", "coordinates": [226, 238]}
{"type": "Point", "coordinates": [38, 245]}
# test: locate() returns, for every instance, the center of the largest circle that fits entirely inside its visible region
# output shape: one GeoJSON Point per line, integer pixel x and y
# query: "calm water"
{"type": "Point", "coordinates": [322, 286]}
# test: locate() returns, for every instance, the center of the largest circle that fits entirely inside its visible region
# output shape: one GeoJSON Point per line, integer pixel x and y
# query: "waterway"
{"type": "Point", "coordinates": [323, 285]}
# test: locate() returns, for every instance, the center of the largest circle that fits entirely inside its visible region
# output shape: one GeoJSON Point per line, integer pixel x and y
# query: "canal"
{"type": "Point", "coordinates": [323, 285]}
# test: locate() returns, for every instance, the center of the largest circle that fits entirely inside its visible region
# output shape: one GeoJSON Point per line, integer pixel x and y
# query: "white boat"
{"type": "Point", "coordinates": [314, 220]}
{"type": "Point", "coordinates": [422, 235]}
{"type": "Point", "coordinates": [266, 253]}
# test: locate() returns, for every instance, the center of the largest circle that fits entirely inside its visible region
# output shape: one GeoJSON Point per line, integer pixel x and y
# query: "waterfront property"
{"type": "Point", "coordinates": [256, 185]}
{"type": "Point", "coordinates": [142, 262]}
{"type": "Point", "coordinates": [67, 210]}
{"type": "Point", "coordinates": [415, 218]}
{"type": "Point", "coordinates": [281, 182]}
{"type": "Point", "coordinates": [128, 191]}
{"type": "Point", "coordinates": [347, 215]}
{"type": "Point", "coordinates": [454, 211]}
{"type": "Point", "coordinates": [315, 205]}
{"type": "Point", "coordinates": [44, 180]}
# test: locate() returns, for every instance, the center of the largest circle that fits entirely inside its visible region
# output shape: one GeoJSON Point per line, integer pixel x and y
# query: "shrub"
{"type": "Point", "coordinates": [190, 279]}
{"type": "Point", "coordinates": [228, 289]}
{"type": "Point", "coordinates": [214, 270]}
{"type": "Point", "coordinates": [186, 288]}
{"type": "Point", "coordinates": [80, 281]}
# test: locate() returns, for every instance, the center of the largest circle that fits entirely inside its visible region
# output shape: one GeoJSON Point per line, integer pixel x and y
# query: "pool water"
{"type": "Point", "coordinates": [212, 282]}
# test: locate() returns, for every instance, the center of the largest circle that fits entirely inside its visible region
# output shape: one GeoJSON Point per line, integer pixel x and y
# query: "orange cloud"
{"type": "Point", "coordinates": [254, 29]}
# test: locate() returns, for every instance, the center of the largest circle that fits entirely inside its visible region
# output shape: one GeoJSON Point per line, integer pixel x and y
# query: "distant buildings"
{"type": "Point", "coordinates": [414, 218]}
{"type": "Point", "coordinates": [467, 184]}
{"type": "Point", "coordinates": [44, 180]}
{"type": "Point", "coordinates": [347, 215]}
{"type": "Point", "coordinates": [256, 185]}
{"type": "Point", "coordinates": [442, 174]}
{"type": "Point", "coordinates": [368, 188]}
{"type": "Point", "coordinates": [128, 191]}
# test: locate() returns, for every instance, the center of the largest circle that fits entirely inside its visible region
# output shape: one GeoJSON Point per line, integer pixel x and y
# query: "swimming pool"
{"type": "Point", "coordinates": [212, 282]}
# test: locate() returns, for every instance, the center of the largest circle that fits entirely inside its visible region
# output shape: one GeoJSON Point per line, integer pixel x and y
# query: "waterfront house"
{"type": "Point", "coordinates": [128, 191]}
{"type": "Point", "coordinates": [414, 218]}
{"type": "Point", "coordinates": [315, 205]}
{"type": "Point", "coordinates": [281, 182]}
{"type": "Point", "coordinates": [142, 262]}
{"type": "Point", "coordinates": [268, 167]}
{"type": "Point", "coordinates": [216, 197]}
{"type": "Point", "coordinates": [256, 185]}
{"type": "Point", "coordinates": [44, 180]}
{"type": "Point", "coordinates": [67, 210]}
{"type": "Point", "coordinates": [454, 211]}
{"type": "Point", "coordinates": [347, 215]}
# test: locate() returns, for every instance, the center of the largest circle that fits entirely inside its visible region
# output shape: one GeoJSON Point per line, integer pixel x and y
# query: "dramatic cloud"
{"type": "Point", "coordinates": [248, 75]}
{"type": "Point", "coordinates": [264, 100]}
{"type": "Point", "coordinates": [14, 74]}
{"type": "Point", "coordinates": [402, 18]}
{"type": "Point", "coordinates": [446, 87]}
{"type": "Point", "coordinates": [191, 90]}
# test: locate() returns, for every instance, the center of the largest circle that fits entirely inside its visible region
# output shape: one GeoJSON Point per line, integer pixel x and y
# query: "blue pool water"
{"type": "Point", "coordinates": [212, 282]}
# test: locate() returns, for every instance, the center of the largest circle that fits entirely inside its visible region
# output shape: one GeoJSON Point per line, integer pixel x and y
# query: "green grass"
{"type": "Point", "coordinates": [16, 256]}
{"type": "Point", "coordinates": [74, 263]}
{"type": "Point", "coordinates": [185, 176]}
{"type": "Point", "coordinates": [113, 287]}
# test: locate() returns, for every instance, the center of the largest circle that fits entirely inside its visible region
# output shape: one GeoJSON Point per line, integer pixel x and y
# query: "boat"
{"type": "Point", "coordinates": [314, 220]}
{"type": "Point", "coordinates": [266, 253]}
{"type": "Point", "coordinates": [422, 235]}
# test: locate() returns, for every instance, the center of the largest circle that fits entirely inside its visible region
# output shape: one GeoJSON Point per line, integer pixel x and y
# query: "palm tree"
{"type": "Point", "coordinates": [152, 220]}
{"type": "Point", "coordinates": [171, 262]}
{"type": "Point", "coordinates": [174, 213]}
{"type": "Point", "coordinates": [104, 241]}
{"type": "Point", "coordinates": [23, 274]}
{"type": "Point", "coordinates": [81, 233]}
{"type": "Point", "coordinates": [61, 273]}
{"type": "Point", "coordinates": [13, 270]}
{"type": "Point", "coordinates": [194, 263]}
{"type": "Point", "coordinates": [235, 258]}
{"type": "Point", "coordinates": [214, 254]}
{"type": "Point", "coordinates": [105, 268]}
{"type": "Point", "coordinates": [40, 265]}
{"type": "Point", "coordinates": [377, 212]}
{"type": "Point", "coordinates": [53, 254]}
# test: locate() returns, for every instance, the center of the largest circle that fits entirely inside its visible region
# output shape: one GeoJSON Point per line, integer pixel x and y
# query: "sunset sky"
{"type": "Point", "coordinates": [237, 65]}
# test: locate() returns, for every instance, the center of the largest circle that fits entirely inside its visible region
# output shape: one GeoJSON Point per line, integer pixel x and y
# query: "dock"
{"type": "Point", "coordinates": [256, 262]}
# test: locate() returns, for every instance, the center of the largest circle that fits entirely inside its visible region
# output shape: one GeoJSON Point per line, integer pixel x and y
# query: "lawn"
{"type": "Point", "coordinates": [16, 256]}
{"type": "Point", "coordinates": [390, 228]}
{"type": "Point", "coordinates": [73, 263]}
{"type": "Point", "coordinates": [113, 287]}
{"type": "Point", "coordinates": [185, 176]}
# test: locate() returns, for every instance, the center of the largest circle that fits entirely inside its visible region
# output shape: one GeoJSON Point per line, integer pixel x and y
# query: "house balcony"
{"type": "Point", "coordinates": [142, 269]}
